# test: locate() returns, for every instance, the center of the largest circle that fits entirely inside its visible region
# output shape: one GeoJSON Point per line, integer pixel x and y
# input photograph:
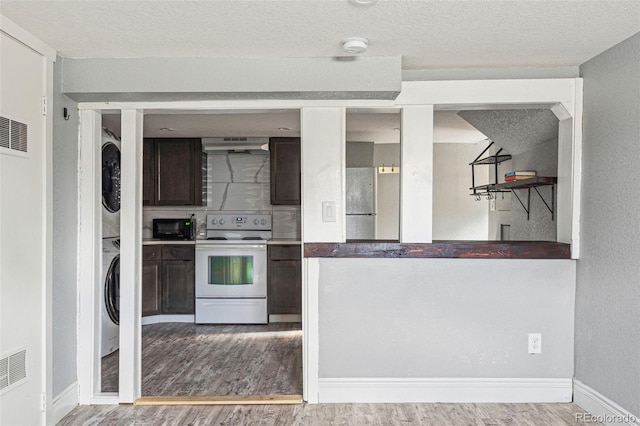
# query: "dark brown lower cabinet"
{"type": "Point", "coordinates": [168, 279]}
{"type": "Point", "coordinates": [178, 296]}
{"type": "Point", "coordinates": [151, 287]}
{"type": "Point", "coordinates": [285, 279]}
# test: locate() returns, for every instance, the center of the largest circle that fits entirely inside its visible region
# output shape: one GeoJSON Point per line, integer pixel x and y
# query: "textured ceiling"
{"type": "Point", "coordinates": [427, 33]}
{"type": "Point", "coordinates": [516, 131]}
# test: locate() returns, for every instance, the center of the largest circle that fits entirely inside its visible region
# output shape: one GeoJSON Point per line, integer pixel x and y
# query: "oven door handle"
{"type": "Point", "coordinates": [223, 247]}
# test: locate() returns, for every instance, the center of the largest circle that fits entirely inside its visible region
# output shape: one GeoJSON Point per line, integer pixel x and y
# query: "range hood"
{"type": "Point", "coordinates": [235, 144]}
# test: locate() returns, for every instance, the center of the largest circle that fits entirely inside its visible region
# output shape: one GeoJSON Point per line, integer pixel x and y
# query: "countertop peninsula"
{"type": "Point", "coordinates": [440, 249]}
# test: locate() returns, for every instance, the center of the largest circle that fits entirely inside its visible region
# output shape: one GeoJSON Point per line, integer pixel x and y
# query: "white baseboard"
{"type": "Point", "coordinates": [601, 408]}
{"type": "Point", "coordinates": [401, 390]}
{"type": "Point", "coordinates": [64, 403]}
{"type": "Point", "coordinates": [285, 318]}
{"type": "Point", "coordinates": [156, 319]}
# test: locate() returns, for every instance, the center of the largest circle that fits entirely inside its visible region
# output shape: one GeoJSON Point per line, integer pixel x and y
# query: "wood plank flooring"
{"type": "Point", "coordinates": [329, 414]}
{"type": "Point", "coordinates": [182, 359]}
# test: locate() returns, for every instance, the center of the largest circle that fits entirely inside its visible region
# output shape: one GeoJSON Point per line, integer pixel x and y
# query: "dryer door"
{"type": "Point", "coordinates": [112, 291]}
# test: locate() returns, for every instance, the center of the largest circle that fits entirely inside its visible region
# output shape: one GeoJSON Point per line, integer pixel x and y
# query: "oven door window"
{"type": "Point", "coordinates": [230, 270]}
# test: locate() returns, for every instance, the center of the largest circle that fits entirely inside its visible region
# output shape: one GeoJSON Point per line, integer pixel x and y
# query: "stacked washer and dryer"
{"type": "Point", "coordinates": [110, 283]}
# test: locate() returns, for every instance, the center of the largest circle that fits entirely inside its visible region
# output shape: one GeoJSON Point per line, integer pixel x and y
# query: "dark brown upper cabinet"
{"type": "Point", "coordinates": [285, 170]}
{"type": "Point", "coordinates": [172, 172]}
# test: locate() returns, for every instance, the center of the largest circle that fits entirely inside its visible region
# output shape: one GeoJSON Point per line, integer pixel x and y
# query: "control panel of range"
{"type": "Point", "coordinates": [233, 221]}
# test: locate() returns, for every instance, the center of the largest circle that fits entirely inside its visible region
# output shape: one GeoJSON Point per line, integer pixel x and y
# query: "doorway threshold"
{"type": "Point", "coordinates": [220, 400]}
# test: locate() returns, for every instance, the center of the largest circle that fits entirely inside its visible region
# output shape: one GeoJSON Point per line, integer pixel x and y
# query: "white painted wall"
{"type": "Point", "coordinates": [456, 214]}
{"type": "Point", "coordinates": [90, 79]}
{"type": "Point", "coordinates": [323, 163]}
{"type": "Point", "coordinates": [24, 228]}
{"type": "Point", "coordinates": [416, 174]}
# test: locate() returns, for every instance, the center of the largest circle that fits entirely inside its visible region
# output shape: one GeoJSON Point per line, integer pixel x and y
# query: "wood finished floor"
{"type": "Point", "coordinates": [180, 359]}
{"type": "Point", "coordinates": [329, 414]}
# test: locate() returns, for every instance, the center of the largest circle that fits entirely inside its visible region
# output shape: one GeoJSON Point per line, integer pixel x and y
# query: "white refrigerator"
{"type": "Point", "coordinates": [361, 203]}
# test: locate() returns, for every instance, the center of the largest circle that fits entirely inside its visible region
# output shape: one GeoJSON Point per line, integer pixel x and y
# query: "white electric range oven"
{"type": "Point", "coordinates": [231, 270]}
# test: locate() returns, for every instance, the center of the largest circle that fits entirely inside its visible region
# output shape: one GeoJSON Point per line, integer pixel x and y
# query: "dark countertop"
{"type": "Point", "coordinates": [152, 241]}
{"type": "Point", "coordinates": [441, 249]}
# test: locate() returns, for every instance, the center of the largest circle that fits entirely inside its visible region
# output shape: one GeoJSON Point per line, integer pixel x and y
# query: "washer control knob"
{"type": "Point", "coordinates": [263, 222]}
{"type": "Point", "coordinates": [214, 221]}
{"type": "Point", "coordinates": [221, 221]}
{"type": "Point", "coordinates": [256, 221]}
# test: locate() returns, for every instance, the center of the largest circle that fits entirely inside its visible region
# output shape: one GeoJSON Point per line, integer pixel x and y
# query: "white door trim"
{"type": "Point", "coordinates": [131, 257]}
{"type": "Point", "coordinates": [89, 256]}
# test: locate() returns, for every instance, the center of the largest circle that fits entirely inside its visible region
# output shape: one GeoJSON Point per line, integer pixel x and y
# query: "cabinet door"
{"type": "Point", "coordinates": [285, 287]}
{"type": "Point", "coordinates": [151, 287]}
{"type": "Point", "coordinates": [178, 287]}
{"type": "Point", "coordinates": [178, 172]}
{"type": "Point", "coordinates": [285, 170]}
{"type": "Point", "coordinates": [148, 173]}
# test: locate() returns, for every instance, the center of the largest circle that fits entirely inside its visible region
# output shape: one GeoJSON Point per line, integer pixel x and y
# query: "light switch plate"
{"type": "Point", "coordinates": [328, 211]}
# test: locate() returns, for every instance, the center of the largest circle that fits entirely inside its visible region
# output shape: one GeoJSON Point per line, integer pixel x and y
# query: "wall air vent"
{"type": "Point", "coordinates": [13, 135]}
{"type": "Point", "coordinates": [13, 370]}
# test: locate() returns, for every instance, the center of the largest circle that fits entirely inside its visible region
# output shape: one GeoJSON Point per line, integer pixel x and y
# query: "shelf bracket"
{"type": "Point", "coordinates": [527, 207]}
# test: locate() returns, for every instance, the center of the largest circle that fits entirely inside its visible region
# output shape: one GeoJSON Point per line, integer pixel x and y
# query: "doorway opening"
{"type": "Point", "coordinates": [190, 358]}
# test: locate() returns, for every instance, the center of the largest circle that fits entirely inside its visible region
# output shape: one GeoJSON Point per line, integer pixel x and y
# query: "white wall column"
{"type": "Point", "coordinates": [569, 171]}
{"type": "Point", "coordinates": [89, 256]}
{"type": "Point", "coordinates": [131, 257]}
{"type": "Point", "coordinates": [323, 169]}
{"type": "Point", "coordinates": [416, 188]}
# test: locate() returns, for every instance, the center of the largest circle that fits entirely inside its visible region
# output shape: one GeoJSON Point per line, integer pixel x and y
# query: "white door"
{"type": "Point", "coordinates": [22, 230]}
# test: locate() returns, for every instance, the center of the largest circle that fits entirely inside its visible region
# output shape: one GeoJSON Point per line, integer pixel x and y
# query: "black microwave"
{"type": "Point", "coordinates": [173, 229]}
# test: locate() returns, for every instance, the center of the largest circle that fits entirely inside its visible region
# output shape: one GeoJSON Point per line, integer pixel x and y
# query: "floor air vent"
{"type": "Point", "coordinates": [13, 135]}
{"type": "Point", "coordinates": [13, 370]}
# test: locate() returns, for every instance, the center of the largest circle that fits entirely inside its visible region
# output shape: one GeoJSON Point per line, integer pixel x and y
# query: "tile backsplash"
{"type": "Point", "coordinates": [236, 183]}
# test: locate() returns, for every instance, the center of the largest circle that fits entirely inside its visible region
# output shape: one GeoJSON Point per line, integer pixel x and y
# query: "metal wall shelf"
{"type": "Point", "coordinates": [489, 190]}
{"type": "Point", "coordinates": [534, 182]}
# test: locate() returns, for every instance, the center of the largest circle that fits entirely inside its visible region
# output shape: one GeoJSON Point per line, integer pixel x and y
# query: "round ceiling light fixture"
{"type": "Point", "coordinates": [355, 45]}
{"type": "Point", "coordinates": [364, 2]}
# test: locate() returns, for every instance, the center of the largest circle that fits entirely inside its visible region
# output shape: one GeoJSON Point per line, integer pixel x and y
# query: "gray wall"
{"type": "Point", "coordinates": [544, 159]}
{"type": "Point", "coordinates": [423, 318]}
{"type": "Point", "coordinates": [65, 250]}
{"type": "Point", "coordinates": [608, 293]}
